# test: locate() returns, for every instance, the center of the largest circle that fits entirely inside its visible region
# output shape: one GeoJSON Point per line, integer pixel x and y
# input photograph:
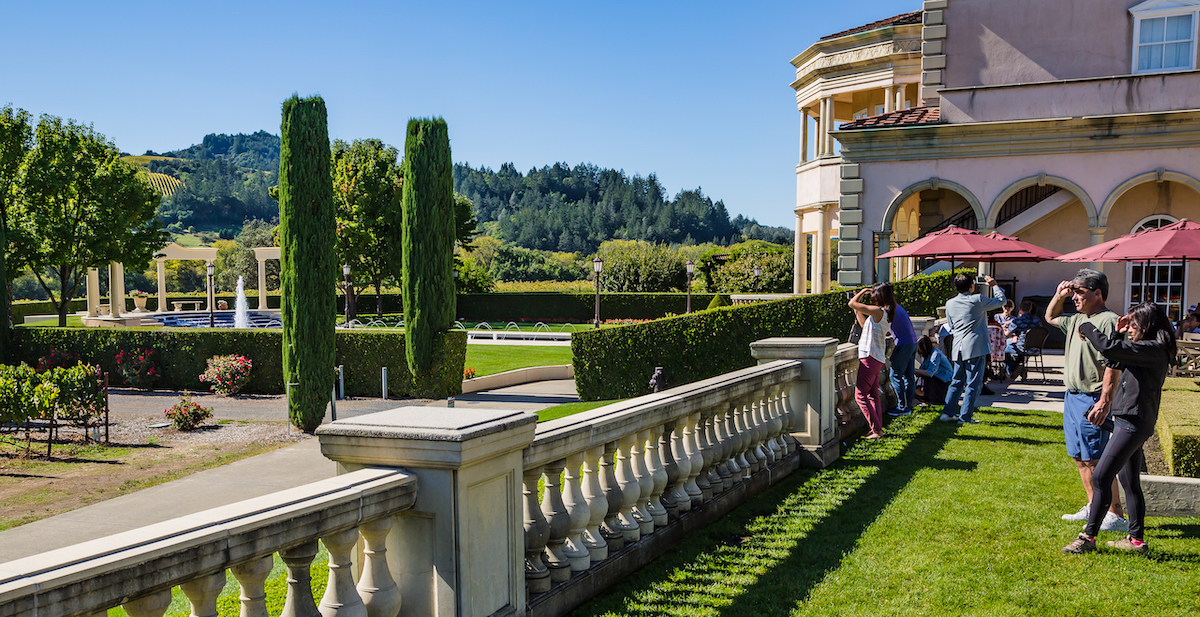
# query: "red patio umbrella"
{"type": "Point", "coordinates": [955, 243]}
{"type": "Point", "coordinates": [1179, 241]}
{"type": "Point", "coordinates": [1028, 252]}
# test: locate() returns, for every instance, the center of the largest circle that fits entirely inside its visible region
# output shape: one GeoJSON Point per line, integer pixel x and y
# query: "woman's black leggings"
{"type": "Point", "coordinates": [1122, 456]}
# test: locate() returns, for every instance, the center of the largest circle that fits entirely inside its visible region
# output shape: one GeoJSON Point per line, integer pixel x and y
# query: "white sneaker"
{"type": "Point", "coordinates": [948, 418]}
{"type": "Point", "coordinates": [1081, 515]}
{"type": "Point", "coordinates": [1112, 522]}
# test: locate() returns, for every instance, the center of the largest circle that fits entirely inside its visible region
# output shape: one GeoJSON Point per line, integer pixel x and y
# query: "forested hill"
{"type": "Point", "coordinates": [257, 151]}
{"type": "Point", "coordinates": [563, 208]}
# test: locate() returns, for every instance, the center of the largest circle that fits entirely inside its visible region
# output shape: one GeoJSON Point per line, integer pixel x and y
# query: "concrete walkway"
{"type": "Point", "coordinates": [1038, 392]}
{"type": "Point", "coordinates": [277, 470]}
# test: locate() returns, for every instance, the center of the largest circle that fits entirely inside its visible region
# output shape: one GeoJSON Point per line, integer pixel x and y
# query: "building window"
{"type": "Point", "coordinates": [1164, 35]}
{"type": "Point", "coordinates": [1161, 282]}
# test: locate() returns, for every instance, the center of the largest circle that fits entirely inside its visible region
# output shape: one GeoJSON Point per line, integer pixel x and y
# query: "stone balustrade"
{"type": "Point", "coordinates": [137, 569]}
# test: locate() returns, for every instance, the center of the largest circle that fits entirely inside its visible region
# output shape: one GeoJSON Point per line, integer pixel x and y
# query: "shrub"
{"type": "Point", "coordinates": [636, 265]}
{"type": "Point", "coordinates": [56, 359]}
{"type": "Point", "coordinates": [612, 363]}
{"type": "Point", "coordinates": [469, 373]}
{"type": "Point", "coordinates": [137, 368]}
{"type": "Point", "coordinates": [187, 414]}
{"type": "Point", "coordinates": [719, 301]}
{"type": "Point", "coordinates": [1178, 427]}
{"type": "Point", "coordinates": [81, 400]}
{"type": "Point", "coordinates": [737, 274]}
{"type": "Point", "coordinates": [227, 374]}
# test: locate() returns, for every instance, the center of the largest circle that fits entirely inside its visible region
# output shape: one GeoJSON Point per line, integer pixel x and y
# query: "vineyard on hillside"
{"type": "Point", "coordinates": [167, 185]}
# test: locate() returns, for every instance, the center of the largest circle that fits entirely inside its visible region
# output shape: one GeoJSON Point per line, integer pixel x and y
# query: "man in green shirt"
{"type": "Point", "coordinates": [1083, 375]}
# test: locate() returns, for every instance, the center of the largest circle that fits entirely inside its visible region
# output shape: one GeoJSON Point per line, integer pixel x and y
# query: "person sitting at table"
{"type": "Point", "coordinates": [1006, 315]}
{"type": "Point", "coordinates": [1014, 349]}
{"type": "Point", "coordinates": [935, 372]}
{"type": "Point", "coordinates": [1189, 325]}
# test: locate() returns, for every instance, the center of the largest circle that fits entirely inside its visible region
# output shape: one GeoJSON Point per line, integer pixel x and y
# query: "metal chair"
{"type": "Point", "coordinates": [1035, 342]}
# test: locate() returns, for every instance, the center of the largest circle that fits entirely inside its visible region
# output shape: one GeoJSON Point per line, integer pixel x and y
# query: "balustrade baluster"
{"type": "Point", "coordinates": [252, 576]}
{"type": "Point", "coordinates": [299, 601]}
{"type": "Point", "coordinates": [658, 476]}
{"type": "Point", "coordinates": [745, 458]}
{"type": "Point", "coordinates": [626, 521]}
{"type": "Point", "coordinates": [641, 471]}
{"type": "Point", "coordinates": [760, 433]}
{"type": "Point", "coordinates": [560, 523]}
{"type": "Point", "coordinates": [153, 605]}
{"type": "Point", "coordinates": [725, 436]}
{"type": "Point", "coordinates": [537, 531]}
{"type": "Point", "coordinates": [705, 453]}
{"type": "Point", "coordinates": [713, 452]}
{"type": "Point", "coordinates": [789, 421]}
{"type": "Point", "coordinates": [778, 423]}
{"type": "Point", "coordinates": [611, 527]}
{"type": "Point", "coordinates": [671, 468]}
{"type": "Point", "coordinates": [769, 445]}
{"type": "Point", "coordinates": [683, 464]}
{"type": "Point", "coordinates": [376, 586]}
{"type": "Point", "coordinates": [341, 598]}
{"type": "Point", "coordinates": [574, 549]}
{"type": "Point", "coordinates": [202, 593]}
{"type": "Point", "coordinates": [593, 539]}
{"type": "Point", "coordinates": [695, 459]}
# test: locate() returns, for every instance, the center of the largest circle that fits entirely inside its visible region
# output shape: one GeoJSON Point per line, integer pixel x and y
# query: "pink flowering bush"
{"type": "Point", "coordinates": [137, 367]}
{"type": "Point", "coordinates": [187, 414]}
{"type": "Point", "coordinates": [227, 374]}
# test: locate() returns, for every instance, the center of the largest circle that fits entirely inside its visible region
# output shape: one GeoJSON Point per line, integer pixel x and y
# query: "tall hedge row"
{"type": "Point", "coordinates": [180, 355]}
{"type": "Point", "coordinates": [617, 362]}
{"type": "Point", "coordinates": [308, 267]}
{"type": "Point", "coordinates": [427, 251]}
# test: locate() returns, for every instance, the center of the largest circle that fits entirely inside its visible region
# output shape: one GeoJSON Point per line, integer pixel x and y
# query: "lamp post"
{"type": "Point", "coordinates": [691, 267]}
{"type": "Point", "coordinates": [757, 275]}
{"type": "Point", "coordinates": [211, 295]}
{"type": "Point", "coordinates": [346, 290]}
{"type": "Point", "coordinates": [597, 265]}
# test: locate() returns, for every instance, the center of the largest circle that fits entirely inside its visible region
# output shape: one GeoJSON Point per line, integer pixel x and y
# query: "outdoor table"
{"type": "Point", "coordinates": [1187, 359]}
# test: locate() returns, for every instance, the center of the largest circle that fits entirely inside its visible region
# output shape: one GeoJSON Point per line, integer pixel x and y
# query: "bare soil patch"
{"type": "Point", "coordinates": [80, 472]}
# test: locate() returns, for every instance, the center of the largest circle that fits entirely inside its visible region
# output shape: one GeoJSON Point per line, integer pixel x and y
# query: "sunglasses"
{"type": "Point", "coordinates": [1081, 290]}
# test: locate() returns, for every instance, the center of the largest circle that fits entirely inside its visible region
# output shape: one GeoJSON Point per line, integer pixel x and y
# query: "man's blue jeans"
{"type": "Point", "coordinates": [966, 384]}
{"type": "Point", "coordinates": [904, 376]}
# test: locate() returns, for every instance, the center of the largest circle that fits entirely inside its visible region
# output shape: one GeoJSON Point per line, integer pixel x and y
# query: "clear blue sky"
{"type": "Point", "coordinates": [696, 92]}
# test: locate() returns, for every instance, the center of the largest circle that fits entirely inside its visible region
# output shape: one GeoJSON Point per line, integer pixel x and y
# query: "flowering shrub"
{"type": "Point", "coordinates": [137, 293]}
{"type": "Point", "coordinates": [137, 367]}
{"type": "Point", "coordinates": [187, 414]}
{"type": "Point", "coordinates": [227, 374]}
{"type": "Point", "coordinates": [56, 359]}
{"type": "Point", "coordinates": [469, 373]}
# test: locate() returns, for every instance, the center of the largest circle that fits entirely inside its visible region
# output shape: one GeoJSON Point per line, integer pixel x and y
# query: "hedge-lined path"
{"type": "Point", "coordinates": [255, 476]}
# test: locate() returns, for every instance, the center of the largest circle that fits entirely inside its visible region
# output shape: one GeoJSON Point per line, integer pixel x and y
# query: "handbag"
{"type": "Point", "coordinates": [855, 333]}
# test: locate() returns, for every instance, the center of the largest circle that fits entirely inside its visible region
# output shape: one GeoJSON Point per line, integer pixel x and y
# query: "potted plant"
{"type": "Point", "coordinates": [139, 300]}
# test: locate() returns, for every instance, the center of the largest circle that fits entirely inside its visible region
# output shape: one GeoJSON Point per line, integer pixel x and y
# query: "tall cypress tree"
{"type": "Point", "coordinates": [308, 266]}
{"type": "Point", "coordinates": [428, 245]}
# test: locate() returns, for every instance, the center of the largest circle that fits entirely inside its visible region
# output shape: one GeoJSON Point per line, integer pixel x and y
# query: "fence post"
{"type": "Point", "coordinates": [811, 397]}
{"type": "Point", "coordinates": [462, 545]}
{"type": "Point", "coordinates": [383, 378]}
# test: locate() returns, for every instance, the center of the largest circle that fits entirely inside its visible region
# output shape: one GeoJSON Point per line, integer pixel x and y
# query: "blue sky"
{"type": "Point", "coordinates": [696, 92]}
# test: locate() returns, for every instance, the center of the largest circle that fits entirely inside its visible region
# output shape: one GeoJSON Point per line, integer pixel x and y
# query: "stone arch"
{"type": "Point", "coordinates": [1158, 175]}
{"type": "Point", "coordinates": [1023, 183]}
{"type": "Point", "coordinates": [928, 184]}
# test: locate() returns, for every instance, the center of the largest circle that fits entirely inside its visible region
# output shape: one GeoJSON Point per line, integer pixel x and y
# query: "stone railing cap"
{"type": "Point", "coordinates": [792, 347]}
{"type": "Point", "coordinates": [429, 423]}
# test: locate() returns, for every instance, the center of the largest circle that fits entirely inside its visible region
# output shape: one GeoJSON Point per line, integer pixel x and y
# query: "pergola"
{"type": "Point", "coordinates": [262, 254]}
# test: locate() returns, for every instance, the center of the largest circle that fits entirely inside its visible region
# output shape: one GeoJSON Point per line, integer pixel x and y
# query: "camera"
{"type": "Point", "coordinates": [850, 295]}
{"type": "Point", "coordinates": [981, 280]}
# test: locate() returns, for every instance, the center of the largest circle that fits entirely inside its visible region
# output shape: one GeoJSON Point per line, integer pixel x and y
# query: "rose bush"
{"type": "Point", "coordinates": [187, 414]}
{"type": "Point", "coordinates": [227, 374]}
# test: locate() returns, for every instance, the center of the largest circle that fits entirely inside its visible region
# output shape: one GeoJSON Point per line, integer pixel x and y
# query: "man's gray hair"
{"type": "Point", "coordinates": [1092, 279]}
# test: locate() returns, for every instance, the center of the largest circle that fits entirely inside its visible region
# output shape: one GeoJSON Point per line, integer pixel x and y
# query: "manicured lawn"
{"type": "Point", "coordinates": [492, 359]}
{"type": "Point", "coordinates": [73, 321]}
{"type": "Point", "coordinates": [559, 411]}
{"type": "Point", "coordinates": [936, 519]}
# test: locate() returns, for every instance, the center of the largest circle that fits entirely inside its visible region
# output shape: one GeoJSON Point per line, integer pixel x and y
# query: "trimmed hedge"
{"type": "Point", "coordinates": [616, 363]}
{"type": "Point", "coordinates": [182, 354]}
{"type": "Point", "coordinates": [1178, 427]}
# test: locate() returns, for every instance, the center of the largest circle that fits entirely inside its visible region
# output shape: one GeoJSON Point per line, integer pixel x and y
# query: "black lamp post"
{"type": "Point", "coordinates": [346, 290]}
{"type": "Point", "coordinates": [757, 275]}
{"type": "Point", "coordinates": [597, 265]}
{"type": "Point", "coordinates": [691, 267]}
{"type": "Point", "coordinates": [212, 296]}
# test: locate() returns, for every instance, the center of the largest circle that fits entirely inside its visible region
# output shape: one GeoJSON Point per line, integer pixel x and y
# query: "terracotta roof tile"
{"type": "Point", "coordinates": [899, 20]}
{"type": "Point", "coordinates": [904, 117]}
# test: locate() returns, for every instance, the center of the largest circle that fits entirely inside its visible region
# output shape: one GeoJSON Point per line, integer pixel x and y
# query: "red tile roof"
{"type": "Point", "coordinates": [904, 117]}
{"type": "Point", "coordinates": [899, 20]}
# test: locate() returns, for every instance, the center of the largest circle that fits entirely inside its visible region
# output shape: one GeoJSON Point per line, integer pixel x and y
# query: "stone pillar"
{"type": "Point", "coordinates": [461, 549]}
{"type": "Point", "coordinates": [116, 289]}
{"type": "Point", "coordinates": [1096, 236]}
{"type": "Point", "coordinates": [262, 284]}
{"type": "Point", "coordinates": [804, 135]}
{"type": "Point", "coordinates": [900, 89]}
{"type": "Point", "coordinates": [93, 292]}
{"type": "Point", "coordinates": [889, 99]}
{"type": "Point", "coordinates": [800, 261]}
{"type": "Point", "coordinates": [812, 397]}
{"type": "Point", "coordinates": [828, 122]}
{"type": "Point", "coordinates": [883, 267]}
{"type": "Point", "coordinates": [820, 266]}
{"type": "Point", "coordinates": [161, 264]}
{"type": "Point", "coordinates": [818, 122]}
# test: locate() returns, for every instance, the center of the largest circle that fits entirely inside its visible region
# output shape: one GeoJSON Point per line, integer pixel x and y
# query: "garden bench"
{"type": "Point", "coordinates": [179, 304]}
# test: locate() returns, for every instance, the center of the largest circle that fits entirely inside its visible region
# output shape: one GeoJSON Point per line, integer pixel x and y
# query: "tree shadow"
{"type": "Point", "coordinates": [1033, 425]}
{"type": "Point", "coordinates": [1025, 441]}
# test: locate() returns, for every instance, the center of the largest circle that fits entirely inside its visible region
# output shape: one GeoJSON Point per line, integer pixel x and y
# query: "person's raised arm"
{"type": "Point", "coordinates": [876, 312]}
{"type": "Point", "coordinates": [1116, 349]}
{"type": "Point", "coordinates": [1054, 308]}
{"type": "Point", "coordinates": [999, 298]}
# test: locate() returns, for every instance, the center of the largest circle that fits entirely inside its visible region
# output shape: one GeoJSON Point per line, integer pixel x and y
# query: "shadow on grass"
{"type": "Point", "coordinates": [1025, 441]}
{"type": "Point", "coordinates": [1029, 425]}
{"type": "Point", "coordinates": [766, 556]}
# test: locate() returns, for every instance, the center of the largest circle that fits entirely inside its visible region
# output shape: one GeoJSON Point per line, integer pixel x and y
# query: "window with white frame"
{"type": "Point", "coordinates": [1164, 35]}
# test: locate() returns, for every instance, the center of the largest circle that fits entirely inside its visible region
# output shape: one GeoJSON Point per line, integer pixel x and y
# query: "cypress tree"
{"type": "Point", "coordinates": [428, 240]}
{"type": "Point", "coordinates": [307, 262]}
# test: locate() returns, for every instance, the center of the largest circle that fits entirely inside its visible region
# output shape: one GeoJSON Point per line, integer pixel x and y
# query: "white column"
{"type": "Point", "coordinates": [804, 135]}
{"type": "Point", "coordinates": [820, 266]}
{"type": "Point", "coordinates": [116, 289]}
{"type": "Point", "coordinates": [93, 292]}
{"type": "Point", "coordinates": [800, 260]}
{"type": "Point", "coordinates": [889, 99]}
{"type": "Point", "coordinates": [820, 127]}
{"type": "Point", "coordinates": [900, 88]}
{"type": "Point", "coordinates": [161, 264]}
{"type": "Point", "coordinates": [829, 123]}
{"type": "Point", "coordinates": [262, 284]}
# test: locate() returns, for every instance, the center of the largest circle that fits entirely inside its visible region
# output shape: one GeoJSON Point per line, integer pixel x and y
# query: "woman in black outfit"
{"type": "Point", "coordinates": [1143, 360]}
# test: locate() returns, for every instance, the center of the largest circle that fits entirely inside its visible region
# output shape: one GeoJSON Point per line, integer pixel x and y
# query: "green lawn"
{"type": "Point", "coordinates": [936, 519]}
{"type": "Point", "coordinates": [73, 321]}
{"type": "Point", "coordinates": [567, 409]}
{"type": "Point", "coordinates": [492, 359]}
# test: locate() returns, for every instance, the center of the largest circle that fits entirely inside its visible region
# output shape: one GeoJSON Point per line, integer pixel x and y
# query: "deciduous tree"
{"type": "Point", "coordinates": [367, 188]}
{"type": "Point", "coordinates": [16, 138]}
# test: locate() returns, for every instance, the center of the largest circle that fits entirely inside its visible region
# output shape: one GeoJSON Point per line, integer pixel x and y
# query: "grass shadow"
{"type": "Point", "coordinates": [1025, 441]}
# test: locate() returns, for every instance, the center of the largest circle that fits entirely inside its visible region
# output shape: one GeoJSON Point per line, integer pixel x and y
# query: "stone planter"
{"type": "Point", "coordinates": [139, 304]}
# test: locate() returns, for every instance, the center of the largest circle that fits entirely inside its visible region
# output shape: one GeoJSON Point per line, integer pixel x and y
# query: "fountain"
{"type": "Point", "coordinates": [241, 315]}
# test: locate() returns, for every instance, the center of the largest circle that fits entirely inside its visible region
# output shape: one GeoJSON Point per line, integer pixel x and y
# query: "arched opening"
{"type": "Point", "coordinates": [921, 209]}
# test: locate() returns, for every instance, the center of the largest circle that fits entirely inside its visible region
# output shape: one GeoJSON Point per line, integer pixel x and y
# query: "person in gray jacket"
{"type": "Point", "coordinates": [966, 314]}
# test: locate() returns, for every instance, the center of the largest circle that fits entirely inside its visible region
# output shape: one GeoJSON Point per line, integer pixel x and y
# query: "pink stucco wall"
{"type": "Point", "coordinates": [1016, 41]}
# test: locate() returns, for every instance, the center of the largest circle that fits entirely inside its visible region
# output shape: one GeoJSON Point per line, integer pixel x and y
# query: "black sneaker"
{"type": "Point", "coordinates": [1080, 545]}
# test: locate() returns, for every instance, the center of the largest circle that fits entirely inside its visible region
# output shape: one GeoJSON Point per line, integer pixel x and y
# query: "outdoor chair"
{"type": "Point", "coordinates": [1035, 342]}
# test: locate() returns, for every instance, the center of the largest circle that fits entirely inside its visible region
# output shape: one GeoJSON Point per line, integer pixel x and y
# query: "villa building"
{"type": "Point", "coordinates": [1063, 122]}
